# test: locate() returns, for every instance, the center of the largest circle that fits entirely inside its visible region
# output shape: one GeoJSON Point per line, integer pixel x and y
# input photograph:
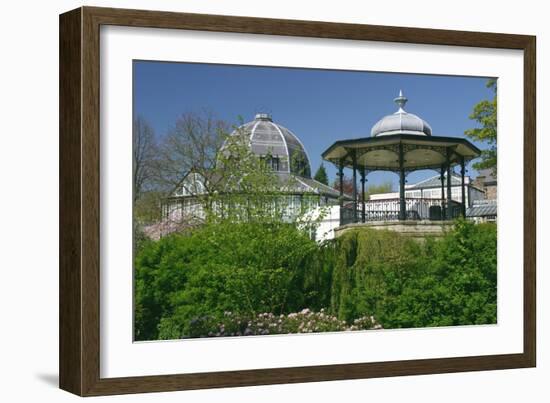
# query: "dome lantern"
{"type": "Point", "coordinates": [263, 116]}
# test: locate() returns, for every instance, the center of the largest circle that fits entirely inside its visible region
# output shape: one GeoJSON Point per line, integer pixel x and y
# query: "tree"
{"type": "Point", "coordinates": [227, 180]}
{"type": "Point", "coordinates": [299, 161]}
{"type": "Point", "coordinates": [145, 188]}
{"type": "Point", "coordinates": [385, 187]}
{"type": "Point", "coordinates": [242, 186]}
{"type": "Point", "coordinates": [321, 175]}
{"type": "Point", "coordinates": [144, 149]}
{"type": "Point", "coordinates": [347, 185]}
{"type": "Point", "coordinates": [370, 190]}
{"type": "Point", "coordinates": [485, 114]}
{"type": "Point", "coordinates": [191, 146]}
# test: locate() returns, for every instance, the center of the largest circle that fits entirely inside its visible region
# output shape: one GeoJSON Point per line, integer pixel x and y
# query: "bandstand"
{"type": "Point", "coordinates": [401, 143]}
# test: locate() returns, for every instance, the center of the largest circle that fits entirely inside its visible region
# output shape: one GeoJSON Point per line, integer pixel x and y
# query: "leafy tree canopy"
{"type": "Point", "coordinates": [485, 114]}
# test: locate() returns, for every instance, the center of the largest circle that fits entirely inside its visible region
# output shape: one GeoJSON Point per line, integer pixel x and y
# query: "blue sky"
{"type": "Point", "coordinates": [319, 106]}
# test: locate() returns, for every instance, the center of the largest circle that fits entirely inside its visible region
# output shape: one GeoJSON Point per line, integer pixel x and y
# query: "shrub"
{"type": "Point", "coordinates": [239, 267]}
{"type": "Point", "coordinates": [231, 324]}
{"type": "Point", "coordinates": [160, 269]}
{"type": "Point", "coordinates": [371, 267]}
{"type": "Point", "coordinates": [186, 283]}
{"type": "Point", "coordinates": [450, 281]}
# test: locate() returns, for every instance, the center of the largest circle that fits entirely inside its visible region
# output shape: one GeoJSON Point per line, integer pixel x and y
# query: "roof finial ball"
{"type": "Point", "coordinates": [401, 122]}
{"type": "Point", "coordinates": [401, 100]}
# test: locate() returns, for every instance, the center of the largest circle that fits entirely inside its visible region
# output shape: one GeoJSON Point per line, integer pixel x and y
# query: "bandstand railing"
{"type": "Point", "coordinates": [388, 210]}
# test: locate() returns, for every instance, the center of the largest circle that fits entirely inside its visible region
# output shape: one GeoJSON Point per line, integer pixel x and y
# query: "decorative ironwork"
{"type": "Point", "coordinates": [386, 147]}
{"type": "Point", "coordinates": [372, 168]}
{"type": "Point", "coordinates": [411, 147]}
{"type": "Point", "coordinates": [388, 210]}
{"type": "Point", "coordinates": [401, 145]}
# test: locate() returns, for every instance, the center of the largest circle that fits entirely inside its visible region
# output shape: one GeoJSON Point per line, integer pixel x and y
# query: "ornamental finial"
{"type": "Point", "coordinates": [401, 100]}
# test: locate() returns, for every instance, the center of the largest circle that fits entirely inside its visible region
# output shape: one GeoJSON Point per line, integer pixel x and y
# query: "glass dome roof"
{"type": "Point", "coordinates": [401, 122]}
{"type": "Point", "coordinates": [267, 138]}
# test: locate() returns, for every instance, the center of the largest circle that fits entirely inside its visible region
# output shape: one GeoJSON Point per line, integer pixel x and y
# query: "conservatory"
{"type": "Point", "coordinates": [282, 150]}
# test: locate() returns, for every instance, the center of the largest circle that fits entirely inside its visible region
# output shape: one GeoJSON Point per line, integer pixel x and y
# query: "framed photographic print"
{"type": "Point", "coordinates": [249, 201]}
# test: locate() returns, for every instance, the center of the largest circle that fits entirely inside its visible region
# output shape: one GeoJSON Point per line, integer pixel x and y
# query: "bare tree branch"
{"type": "Point", "coordinates": [192, 145]}
{"type": "Point", "coordinates": [144, 145]}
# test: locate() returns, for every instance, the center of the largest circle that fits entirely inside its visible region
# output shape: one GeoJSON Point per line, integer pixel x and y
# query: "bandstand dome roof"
{"type": "Point", "coordinates": [401, 122]}
{"type": "Point", "coordinates": [266, 137]}
{"type": "Point", "coordinates": [401, 141]}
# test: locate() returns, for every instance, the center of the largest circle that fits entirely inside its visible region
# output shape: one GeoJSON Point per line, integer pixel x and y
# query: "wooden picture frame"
{"type": "Point", "coordinates": [79, 201]}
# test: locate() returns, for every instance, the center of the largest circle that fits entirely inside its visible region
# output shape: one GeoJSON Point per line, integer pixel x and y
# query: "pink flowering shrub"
{"type": "Point", "coordinates": [266, 323]}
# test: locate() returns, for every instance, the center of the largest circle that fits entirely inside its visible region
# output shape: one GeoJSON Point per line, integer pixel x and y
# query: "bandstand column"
{"type": "Point", "coordinates": [463, 186]}
{"type": "Point", "coordinates": [341, 179]}
{"type": "Point", "coordinates": [363, 179]}
{"type": "Point", "coordinates": [449, 183]}
{"type": "Point", "coordinates": [402, 205]}
{"type": "Point", "coordinates": [442, 178]}
{"type": "Point", "coordinates": [354, 158]}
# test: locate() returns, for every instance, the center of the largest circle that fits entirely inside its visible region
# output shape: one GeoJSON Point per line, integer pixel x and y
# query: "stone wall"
{"type": "Point", "coordinates": [418, 230]}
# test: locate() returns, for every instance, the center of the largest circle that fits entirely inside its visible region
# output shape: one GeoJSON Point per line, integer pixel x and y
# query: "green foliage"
{"type": "Point", "coordinates": [461, 283]}
{"type": "Point", "coordinates": [299, 164]}
{"type": "Point", "coordinates": [485, 114]}
{"type": "Point", "coordinates": [186, 284]}
{"type": "Point", "coordinates": [160, 268]}
{"type": "Point", "coordinates": [385, 187]}
{"type": "Point", "coordinates": [321, 175]}
{"type": "Point", "coordinates": [444, 282]}
{"type": "Point", "coordinates": [243, 187]}
{"type": "Point", "coordinates": [146, 208]}
{"type": "Point", "coordinates": [370, 269]}
{"type": "Point", "coordinates": [245, 268]}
